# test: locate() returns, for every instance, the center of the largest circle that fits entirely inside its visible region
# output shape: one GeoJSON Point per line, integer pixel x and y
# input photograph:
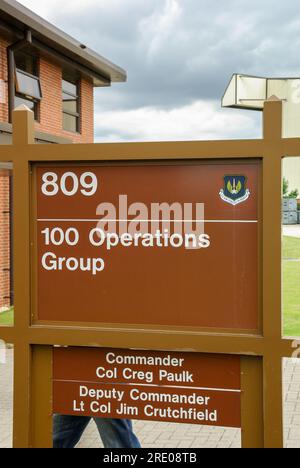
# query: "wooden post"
{"type": "Point", "coordinates": [23, 126]}
{"type": "Point", "coordinates": [252, 402]}
{"type": "Point", "coordinates": [272, 240]}
{"type": "Point", "coordinates": [23, 134]}
{"type": "Point", "coordinates": [41, 397]}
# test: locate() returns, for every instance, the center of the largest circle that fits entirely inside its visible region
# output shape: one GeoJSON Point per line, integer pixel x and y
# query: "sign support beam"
{"type": "Point", "coordinates": [252, 402]}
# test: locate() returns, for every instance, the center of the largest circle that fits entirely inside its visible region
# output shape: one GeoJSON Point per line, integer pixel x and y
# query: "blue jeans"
{"type": "Point", "coordinates": [115, 433]}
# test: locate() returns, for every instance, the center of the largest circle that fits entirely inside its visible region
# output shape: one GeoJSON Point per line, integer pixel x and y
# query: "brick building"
{"type": "Point", "coordinates": [54, 75]}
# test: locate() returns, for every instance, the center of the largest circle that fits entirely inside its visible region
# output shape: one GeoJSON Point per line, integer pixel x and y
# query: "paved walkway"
{"type": "Point", "coordinates": [6, 394]}
{"type": "Point", "coordinates": [164, 435]}
{"type": "Point", "coordinates": [292, 231]}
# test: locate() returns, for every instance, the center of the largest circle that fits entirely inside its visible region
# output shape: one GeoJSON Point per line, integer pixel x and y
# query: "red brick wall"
{"type": "Point", "coordinates": [3, 76]}
{"type": "Point", "coordinates": [50, 122]}
{"type": "Point", "coordinates": [51, 104]}
{"type": "Point", "coordinates": [4, 241]}
{"type": "Point", "coordinates": [4, 194]}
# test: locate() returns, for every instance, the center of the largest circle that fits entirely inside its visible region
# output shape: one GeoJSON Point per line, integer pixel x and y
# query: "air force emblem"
{"type": "Point", "coordinates": [235, 191]}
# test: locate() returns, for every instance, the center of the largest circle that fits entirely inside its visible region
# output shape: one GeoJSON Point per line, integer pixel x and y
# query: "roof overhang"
{"type": "Point", "coordinates": [251, 92]}
{"type": "Point", "coordinates": [20, 19]}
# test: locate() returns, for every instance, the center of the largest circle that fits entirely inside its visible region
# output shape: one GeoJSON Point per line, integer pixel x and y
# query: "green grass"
{"type": "Point", "coordinates": [291, 247]}
{"type": "Point", "coordinates": [291, 298]}
{"type": "Point", "coordinates": [7, 318]}
{"type": "Point", "coordinates": [291, 290]}
{"type": "Point", "coordinates": [291, 287]}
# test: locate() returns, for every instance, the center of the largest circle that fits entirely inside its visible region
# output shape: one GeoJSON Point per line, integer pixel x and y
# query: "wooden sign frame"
{"type": "Point", "coordinates": [261, 355]}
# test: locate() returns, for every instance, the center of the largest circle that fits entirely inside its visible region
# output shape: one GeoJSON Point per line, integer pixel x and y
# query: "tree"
{"type": "Point", "coordinates": [285, 190]}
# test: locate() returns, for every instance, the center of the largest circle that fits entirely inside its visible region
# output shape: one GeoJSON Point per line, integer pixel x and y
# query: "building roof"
{"type": "Point", "coordinates": [22, 19]}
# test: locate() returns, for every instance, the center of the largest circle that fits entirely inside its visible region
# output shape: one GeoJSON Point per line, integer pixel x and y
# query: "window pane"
{"type": "Point", "coordinates": [28, 85]}
{"type": "Point", "coordinates": [19, 101]}
{"type": "Point", "coordinates": [69, 87]}
{"type": "Point", "coordinates": [69, 103]}
{"type": "Point", "coordinates": [26, 63]}
{"type": "Point", "coordinates": [32, 105]}
{"type": "Point", "coordinates": [70, 123]}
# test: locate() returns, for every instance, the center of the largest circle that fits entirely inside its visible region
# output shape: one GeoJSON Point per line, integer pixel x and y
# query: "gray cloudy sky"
{"type": "Point", "coordinates": [179, 55]}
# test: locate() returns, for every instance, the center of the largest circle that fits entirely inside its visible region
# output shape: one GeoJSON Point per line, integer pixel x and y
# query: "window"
{"type": "Point", "coordinates": [28, 102]}
{"type": "Point", "coordinates": [28, 87]}
{"type": "Point", "coordinates": [26, 62]}
{"type": "Point", "coordinates": [70, 104]}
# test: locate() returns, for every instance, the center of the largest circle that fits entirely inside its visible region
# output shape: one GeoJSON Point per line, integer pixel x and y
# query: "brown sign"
{"type": "Point", "coordinates": [177, 244]}
{"type": "Point", "coordinates": [209, 286]}
{"type": "Point", "coordinates": [172, 387]}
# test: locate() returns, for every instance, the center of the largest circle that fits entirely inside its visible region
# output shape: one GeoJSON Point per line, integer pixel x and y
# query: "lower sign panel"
{"type": "Point", "coordinates": [157, 386]}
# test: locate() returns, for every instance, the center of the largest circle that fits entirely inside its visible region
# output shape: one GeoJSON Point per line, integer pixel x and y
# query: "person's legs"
{"type": "Point", "coordinates": [67, 430]}
{"type": "Point", "coordinates": [117, 433]}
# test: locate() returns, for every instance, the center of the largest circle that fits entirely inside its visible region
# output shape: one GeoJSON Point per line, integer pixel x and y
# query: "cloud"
{"type": "Point", "coordinates": [179, 52]}
{"type": "Point", "coordinates": [198, 121]}
{"type": "Point", "coordinates": [158, 28]}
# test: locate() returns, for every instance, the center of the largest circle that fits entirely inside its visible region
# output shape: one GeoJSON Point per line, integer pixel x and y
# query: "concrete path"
{"type": "Point", "coordinates": [292, 231]}
{"type": "Point", "coordinates": [164, 435]}
{"type": "Point", "coordinates": [6, 396]}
